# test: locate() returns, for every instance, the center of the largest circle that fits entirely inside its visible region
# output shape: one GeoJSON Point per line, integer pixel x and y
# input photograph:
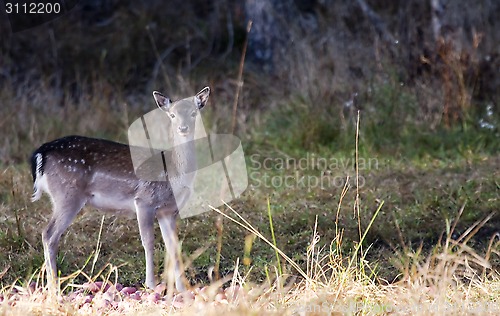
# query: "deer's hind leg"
{"type": "Point", "coordinates": [65, 207]}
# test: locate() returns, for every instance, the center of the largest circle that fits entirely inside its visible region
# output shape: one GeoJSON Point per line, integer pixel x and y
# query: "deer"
{"type": "Point", "coordinates": [76, 171]}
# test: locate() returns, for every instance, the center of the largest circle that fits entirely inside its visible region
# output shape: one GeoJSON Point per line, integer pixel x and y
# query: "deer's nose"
{"type": "Point", "coordinates": [183, 129]}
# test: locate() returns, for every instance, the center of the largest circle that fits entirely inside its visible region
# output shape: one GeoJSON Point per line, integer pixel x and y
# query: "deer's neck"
{"type": "Point", "coordinates": [183, 154]}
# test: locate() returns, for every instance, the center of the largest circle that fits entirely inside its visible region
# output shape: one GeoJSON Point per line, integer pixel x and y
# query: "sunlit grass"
{"type": "Point", "coordinates": [452, 280]}
{"type": "Point", "coordinates": [307, 259]}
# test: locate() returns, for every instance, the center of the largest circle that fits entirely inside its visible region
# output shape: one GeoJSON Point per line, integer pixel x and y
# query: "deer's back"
{"type": "Point", "coordinates": [76, 156]}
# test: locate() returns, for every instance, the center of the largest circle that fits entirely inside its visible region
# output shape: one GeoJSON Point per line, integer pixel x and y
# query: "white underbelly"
{"type": "Point", "coordinates": [112, 204]}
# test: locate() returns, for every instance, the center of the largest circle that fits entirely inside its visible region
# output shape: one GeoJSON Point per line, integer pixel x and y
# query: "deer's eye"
{"type": "Point", "coordinates": [193, 114]}
{"type": "Point", "coordinates": [172, 115]}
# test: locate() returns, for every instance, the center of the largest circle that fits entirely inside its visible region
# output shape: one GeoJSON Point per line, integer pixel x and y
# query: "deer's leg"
{"type": "Point", "coordinates": [145, 218]}
{"type": "Point", "coordinates": [64, 212]}
{"type": "Point", "coordinates": [169, 234]}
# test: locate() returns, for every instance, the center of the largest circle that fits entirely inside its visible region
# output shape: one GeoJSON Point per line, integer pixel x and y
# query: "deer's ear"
{"type": "Point", "coordinates": [202, 97]}
{"type": "Point", "coordinates": [162, 101]}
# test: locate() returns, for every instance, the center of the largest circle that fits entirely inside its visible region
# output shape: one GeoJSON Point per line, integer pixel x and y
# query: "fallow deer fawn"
{"type": "Point", "coordinates": [76, 171]}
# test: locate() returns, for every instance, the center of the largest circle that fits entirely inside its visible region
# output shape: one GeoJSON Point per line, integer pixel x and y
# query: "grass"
{"type": "Point", "coordinates": [453, 279]}
{"type": "Point", "coordinates": [412, 257]}
{"type": "Point", "coordinates": [422, 240]}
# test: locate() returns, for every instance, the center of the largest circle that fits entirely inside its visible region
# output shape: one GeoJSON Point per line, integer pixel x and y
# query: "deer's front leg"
{"type": "Point", "coordinates": [145, 218]}
{"type": "Point", "coordinates": [173, 268]}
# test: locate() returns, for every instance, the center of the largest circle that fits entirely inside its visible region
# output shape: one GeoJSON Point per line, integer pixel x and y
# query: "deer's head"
{"type": "Point", "coordinates": [182, 113]}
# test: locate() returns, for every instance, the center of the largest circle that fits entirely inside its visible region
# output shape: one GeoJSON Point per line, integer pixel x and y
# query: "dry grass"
{"type": "Point", "coordinates": [34, 113]}
{"type": "Point", "coordinates": [327, 76]}
{"type": "Point", "coordinates": [452, 281]}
